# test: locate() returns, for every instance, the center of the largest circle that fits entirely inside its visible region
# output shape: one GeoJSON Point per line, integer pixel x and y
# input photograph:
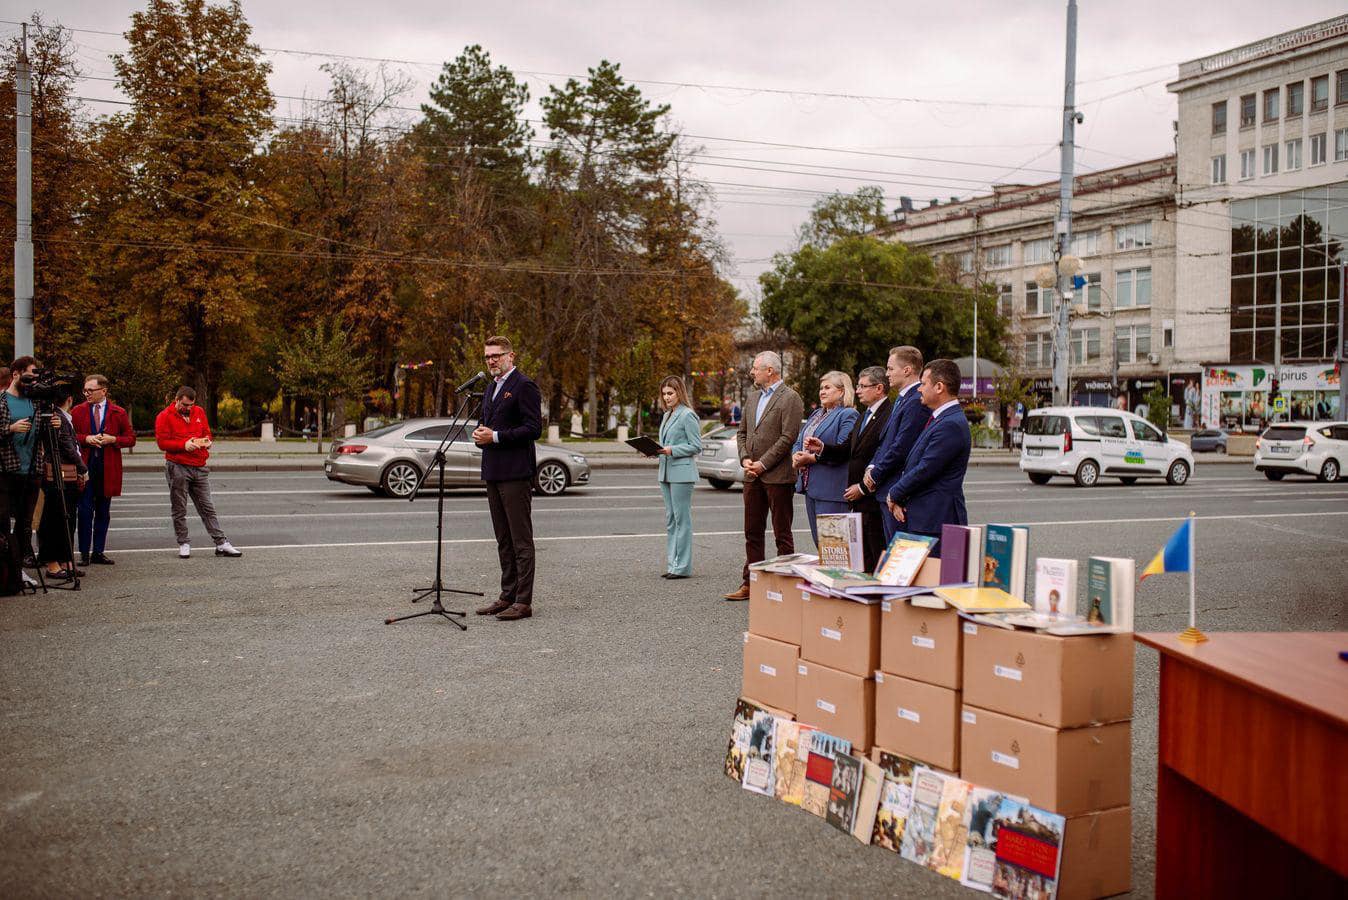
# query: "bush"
{"type": "Point", "coordinates": [986, 436]}
{"type": "Point", "coordinates": [229, 416]}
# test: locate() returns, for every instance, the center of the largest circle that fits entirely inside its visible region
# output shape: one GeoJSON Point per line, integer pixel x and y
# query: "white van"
{"type": "Point", "coordinates": [1086, 442]}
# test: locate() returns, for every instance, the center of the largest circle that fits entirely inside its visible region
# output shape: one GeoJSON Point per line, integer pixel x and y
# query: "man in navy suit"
{"type": "Point", "coordinates": [511, 420]}
{"type": "Point", "coordinates": [906, 422]}
{"type": "Point", "coordinates": [931, 492]}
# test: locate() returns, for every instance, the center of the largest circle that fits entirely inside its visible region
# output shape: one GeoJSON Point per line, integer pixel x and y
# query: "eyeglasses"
{"type": "Point", "coordinates": [493, 357]}
{"type": "Point", "coordinates": [94, 390]}
{"type": "Point", "coordinates": [866, 384]}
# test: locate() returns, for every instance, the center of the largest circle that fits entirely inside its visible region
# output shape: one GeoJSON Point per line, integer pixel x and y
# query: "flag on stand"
{"type": "Point", "coordinates": [1177, 554]}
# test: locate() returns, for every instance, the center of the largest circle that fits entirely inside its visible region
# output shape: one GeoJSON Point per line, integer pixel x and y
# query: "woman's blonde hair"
{"type": "Point", "coordinates": [843, 382]}
{"type": "Point", "coordinates": [680, 389]}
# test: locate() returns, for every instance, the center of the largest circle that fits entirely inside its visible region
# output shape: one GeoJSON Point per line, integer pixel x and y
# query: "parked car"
{"type": "Point", "coordinates": [391, 459]}
{"type": "Point", "coordinates": [719, 461]}
{"type": "Point", "coordinates": [1212, 440]}
{"type": "Point", "coordinates": [1086, 442]}
{"type": "Point", "coordinates": [1312, 448]}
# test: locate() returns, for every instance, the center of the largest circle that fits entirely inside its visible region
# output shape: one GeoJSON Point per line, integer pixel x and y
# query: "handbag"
{"type": "Point", "coordinates": [69, 472]}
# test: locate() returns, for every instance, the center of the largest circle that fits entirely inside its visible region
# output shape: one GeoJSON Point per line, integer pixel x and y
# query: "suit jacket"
{"type": "Point", "coordinates": [931, 490]}
{"type": "Point", "coordinates": [905, 423]}
{"type": "Point", "coordinates": [516, 415]}
{"type": "Point", "coordinates": [827, 480]}
{"type": "Point", "coordinates": [770, 440]}
{"type": "Point", "coordinates": [858, 450]}
{"type": "Point", "coordinates": [682, 434]}
{"type": "Point", "coordinates": [116, 422]}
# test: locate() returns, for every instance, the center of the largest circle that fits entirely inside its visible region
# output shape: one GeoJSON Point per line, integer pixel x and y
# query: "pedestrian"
{"type": "Point", "coordinates": [823, 482]}
{"type": "Point", "coordinates": [931, 492]}
{"type": "Point", "coordinates": [103, 430]}
{"type": "Point", "coordinates": [857, 452]}
{"type": "Point", "coordinates": [772, 415]}
{"type": "Point", "coordinates": [906, 422]}
{"type": "Point", "coordinates": [60, 506]}
{"type": "Point", "coordinates": [21, 460]}
{"type": "Point", "coordinates": [182, 432]}
{"type": "Point", "coordinates": [680, 443]}
{"type": "Point", "coordinates": [511, 420]}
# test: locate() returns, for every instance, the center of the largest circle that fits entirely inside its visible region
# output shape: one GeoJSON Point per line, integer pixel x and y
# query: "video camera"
{"type": "Point", "coordinates": [47, 385]}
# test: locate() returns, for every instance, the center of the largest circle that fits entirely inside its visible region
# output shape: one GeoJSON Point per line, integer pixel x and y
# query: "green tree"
{"type": "Point", "coordinates": [320, 362]}
{"type": "Point", "coordinates": [1158, 405]}
{"type": "Point", "coordinates": [475, 117]}
{"type": "Point", "coordinates": [137, 365]}
{"type": "Point", "coordinates": [844, 215]}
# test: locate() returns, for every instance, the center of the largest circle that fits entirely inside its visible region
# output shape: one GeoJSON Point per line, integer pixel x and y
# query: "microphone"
{"type": "Point", "coordinates": [475, 380]}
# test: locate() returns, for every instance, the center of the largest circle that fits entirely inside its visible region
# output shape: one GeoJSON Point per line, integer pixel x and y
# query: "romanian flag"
{"type": "Point", "coordinates": [1177, 555]}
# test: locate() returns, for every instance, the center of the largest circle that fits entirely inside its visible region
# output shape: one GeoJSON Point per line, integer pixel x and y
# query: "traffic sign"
{"type": "Point", "coordinates": [1280, 404]}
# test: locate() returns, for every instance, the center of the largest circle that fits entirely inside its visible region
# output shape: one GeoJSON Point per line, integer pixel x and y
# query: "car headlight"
{"type": "Point", "coordinates": [578, 458]}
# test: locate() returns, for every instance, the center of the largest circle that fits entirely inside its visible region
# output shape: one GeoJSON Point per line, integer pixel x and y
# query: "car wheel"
{"type": "Point", "coordinates": [399, 480]}
{"type": "Point", "coordinates": [1273, 476]}
{"type": "Point", "coordinates": [1329, 471]}
{"type": "Point", "coordinates": [1088, 473]}
{"type": "Point", "coordinates": [1039, 477]}
{"type": "Point", "coordinates": [1129, 480]}
{"type": "Point", "coordinates": [1178, 474]}
{"type": "Point", "coordinates": [719, 483]}
{"type": "Point", "coordinates": [550, 479]}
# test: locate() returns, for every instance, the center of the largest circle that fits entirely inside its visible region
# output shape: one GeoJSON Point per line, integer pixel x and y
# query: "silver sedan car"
{"type": "Point", "coordinates": [391, 459]}
{"type": "Point", "coordinates": [719, 461]}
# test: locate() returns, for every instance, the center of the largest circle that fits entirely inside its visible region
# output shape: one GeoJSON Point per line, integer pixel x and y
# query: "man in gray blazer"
{"type": "Point", "coordinates": [772, 415]}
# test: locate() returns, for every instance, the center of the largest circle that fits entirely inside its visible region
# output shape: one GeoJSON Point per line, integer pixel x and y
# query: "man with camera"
{"type": "Point", "coordinates": [21, 460]}
{"type": "Point", "coordinates": [183, 434]}
{"type": "Point", "coordinates": [102, 428]}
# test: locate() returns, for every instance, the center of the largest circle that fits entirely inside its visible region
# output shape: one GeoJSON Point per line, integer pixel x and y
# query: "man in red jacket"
{"type": "Point", "coordinates": [103, 430]}
{"type": "Point", "coordinates": [182, 433]}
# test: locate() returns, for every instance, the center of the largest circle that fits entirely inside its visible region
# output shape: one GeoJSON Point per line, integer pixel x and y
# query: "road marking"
{"type": "Point", "coordinates": [421, 512]}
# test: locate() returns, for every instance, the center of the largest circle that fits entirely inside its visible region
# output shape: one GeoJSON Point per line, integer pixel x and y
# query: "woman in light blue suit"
{"type": "Point", "coordinates": [823, 484]}
{"type": "Point", "coordinates": [680, 443]}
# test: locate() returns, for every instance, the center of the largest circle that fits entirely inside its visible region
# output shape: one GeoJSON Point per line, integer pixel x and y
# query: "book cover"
{"type": "Point", "coordinates": [997, 552]}
{"type": "Point", "coordinates": [868, 801]}
{"type": "Point", "coordinates": [981, 600]}
{"type": "Point", "coordinates": [760, 757]}
{"type": "Point", "coordinates": [781, 565]}
{"type": "Point", "coordinates": [954, 554]}
{"type": "Point", "coordinates": [824, 748]}
{"type": "Point", "coordinates": [919, 830]}
{"type": "Point", "coordinates": [837, 579]}
{"type": "Point", "coordinates": [896, 798]}
{"type": "Point", "coordinates": [1055, 586]}
{"type": "Point", "coordinates": [980, 851]}
{"type": "Point", "coordinates": [948, 843]}
{"type": "Point", "coordinates": [902, 558]}
{"type": "Point", "coordinates": [976, 554]}
{"type": "Point", "coordinates": [793, 791]}
{"type": "Point", "coordinates": [1028, 854]}
{"type": "Point", "coordinates": [843, 793]}
{"type": "Point", "coordinates": [840, 540]}
{"type": "Point", "coordinates": [740, 730]}
{"type": "Point", "coordinates": [1099, 592]}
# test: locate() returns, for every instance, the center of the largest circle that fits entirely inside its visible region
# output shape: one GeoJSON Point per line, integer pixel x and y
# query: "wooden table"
{"type": "Point", "coordinates": [1252, 788]}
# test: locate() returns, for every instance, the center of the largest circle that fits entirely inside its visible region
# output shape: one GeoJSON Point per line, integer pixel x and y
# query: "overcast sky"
{"type": "Point", "coordinates": [987, 76]}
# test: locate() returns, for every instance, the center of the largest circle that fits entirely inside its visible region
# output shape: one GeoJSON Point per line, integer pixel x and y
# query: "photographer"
{"type": "Point", "coordinates": [21, 460]}
{"type": "Point", "coordinates": [56, 528]}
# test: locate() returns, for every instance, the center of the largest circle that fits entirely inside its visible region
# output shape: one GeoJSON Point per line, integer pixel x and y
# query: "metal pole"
{"type": "Point", "coordinates": [1271, 416]}
{"type": "Point", "coordinates": [975, 341]}
{"type": "Point", "coordinates": [1063, 227]}
{"type": "Point", "coordinates": [1341, 351]}
{"type": "Point", "coordinates": [23, 205]}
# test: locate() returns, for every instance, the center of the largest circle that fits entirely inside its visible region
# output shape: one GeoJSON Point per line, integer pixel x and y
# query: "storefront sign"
{"type": "Point", "coordinates": [1238, 394]}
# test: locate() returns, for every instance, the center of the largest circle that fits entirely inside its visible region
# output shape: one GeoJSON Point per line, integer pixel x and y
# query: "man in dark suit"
{"type": "Point", "coordinates": [931, 492]}
{"type": "Point", "coordinates": [511, 420]}
{"type": "Point", "coordinates": [905, 424]}
{"type": "Point", "coordinates": [857, 451]}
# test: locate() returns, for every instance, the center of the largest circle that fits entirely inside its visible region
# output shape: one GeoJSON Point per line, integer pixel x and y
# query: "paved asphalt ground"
{"type": "Point", "coordinates": [250, 727]}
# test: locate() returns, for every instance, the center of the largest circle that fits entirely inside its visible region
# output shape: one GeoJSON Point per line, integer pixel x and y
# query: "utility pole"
{"type": "Point", "coordinates": [1341, 351]}
{"type": "Point", "coordinates": [23, 205]}
{"type": "Point", "coordinates": [1063, 227]}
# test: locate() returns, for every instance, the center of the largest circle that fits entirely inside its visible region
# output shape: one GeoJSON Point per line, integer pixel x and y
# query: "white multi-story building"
{"type": "Point", "coordinates": [1262, 214]}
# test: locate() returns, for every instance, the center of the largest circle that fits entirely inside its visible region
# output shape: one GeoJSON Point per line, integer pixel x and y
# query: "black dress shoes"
{"type": "Point", "coordinates": [100, 559]}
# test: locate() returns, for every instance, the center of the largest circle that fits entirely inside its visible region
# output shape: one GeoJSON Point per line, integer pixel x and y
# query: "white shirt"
{"type": "Point", "coordinates": [943, 407]}
{"type": "Point", "coordinates": [903, 392]}
{"type": "Point", "coordinates": [870, 412]}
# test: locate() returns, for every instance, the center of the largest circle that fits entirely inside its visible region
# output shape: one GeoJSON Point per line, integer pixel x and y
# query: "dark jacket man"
{"type": "Point", "coordinates": [858, 451]}
{"type": "Point", "coordinates": [930, 493]}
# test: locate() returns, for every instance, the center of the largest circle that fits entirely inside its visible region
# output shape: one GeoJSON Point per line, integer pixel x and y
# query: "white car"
{"type": "Point", "coordinates": [1085, 443]}
{"type": "Point", "coordinates": [719, 461]}
{"type": "Point", "coordinates": [1311, 448]}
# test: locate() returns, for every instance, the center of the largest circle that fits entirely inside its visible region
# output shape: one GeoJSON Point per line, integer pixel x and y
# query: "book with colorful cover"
{"type": "Point", "coordinates": [980, 600]}
{"type": "Point", "coordinates": [868, 801]}
{"type": "Point", "coordinates": [1028, 851]}
{"type": "Point", "coordinates": [903, 558]}
{"type": "Point", "coordinates": [948, 843]}
{"type": "Point", "coordinates": [824, 749]}
{"type": "Point", "coordinates": [974, 573]}
{"type": "Point", "coordinates": [840, 541]}
{"type": "Point", "coordinates": [740, 731]}
{"type": "Point", "coordinates": [954, 554]}
{"type": "Point", "coordinates": [761, 755]}
{"type": "Point", "coordinates": [980, 852]}
{"type": "Point", "coordinates": [836, 579]}
{"type": "Point", "coordinates": [843, 793]}
{"type": "Point", "coordinates": [1109, 598]}
{"type": "Point", "coordinates": [781, 565]}
{"type": "Point", "coordinates": [1055, 586]}
{"type": "Point", "coordinates": [919, 829]}
{"type": "Point", "coordinates": [1004, 558]}
{"type": "Point", "coordinates": [792, 745]}
{"type": "Point", "coordinates": [896, 798]}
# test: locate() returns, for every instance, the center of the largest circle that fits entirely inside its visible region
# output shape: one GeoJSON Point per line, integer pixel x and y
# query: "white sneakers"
{"type": "Point", "coordinates": [184, 551]}
{"type": "Point", "coordinates": [227, 549]}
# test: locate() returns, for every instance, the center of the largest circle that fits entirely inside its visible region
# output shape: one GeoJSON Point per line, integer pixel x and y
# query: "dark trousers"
{"type": "Point", "coordinates": [18, 499]}
{"type": "Point", "coordinates": [95, 511]}
{"type": "Point", "coordinates": [760, 500]}
{"type": "Point", "coordinates": [511, 504]}
{"type": "Point", "coordinates": [56, 528]}
{"type": "Point", "coordinates": [872, 534]}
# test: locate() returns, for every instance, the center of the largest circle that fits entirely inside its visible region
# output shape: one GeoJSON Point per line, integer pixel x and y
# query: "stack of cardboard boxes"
{"type": "Point", "coordinates": [917, 694]}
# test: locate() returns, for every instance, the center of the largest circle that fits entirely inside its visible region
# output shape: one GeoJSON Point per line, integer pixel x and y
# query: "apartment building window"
{"type": "Point", "coordinates": [1318, 142]}
{"type": "Point", "coordinates": [1247, 104]}
{"type": "Point", "coordinates": [1132, 237]}
{"type": "Point", "coordinates": [1092, 291]}
{"type": "Point", "coordinates": [1296, 99]}
{"type": "Point", "coordinates": [1038, 301]}
{"type": "Point", "coordinates": [1004, 302]}
{"type": "Point", "coordinates": [1270, 159]}
{"type": "Point", "coordinates": [1038, 351]}
{"type": "Point", "coordinates": [1292, 159]}
{"type": "Point", "coordinates": [1132, 343]}
{"type": "Point", "coordinates": [1246, 165]}
{"type": "Point", "coordinates": [1132, 287]}
{"type": "Point", "coordinates": [965, 261]}
{"type": "Point", "coordinates": [1319, 93]}
{"type": "Point", "coordinates": [1341, 87]}
{"type": "Point", "coordinates": [1219, 169]}
{"type": "Point", "coordinates": [998, 257]}
{"type": "Point", "coordinates": [1219, 118]}
{"type": "Point", "coordinates": [1040, 251]}
{"type": "Point", "coordinates": [1085, 345]}
{"type": "Point", "coordinates": [1341, 145]}
{"type": "Point", "coordinates": [1271, 98]}
{"type": "Point", "coordinates": [1086, 243]}
{"type": "Point", "coordinates": [1168, 333]}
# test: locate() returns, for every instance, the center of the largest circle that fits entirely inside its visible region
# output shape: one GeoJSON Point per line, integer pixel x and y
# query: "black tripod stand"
{"type": "Point", "coordinates": [469, 410]}
{"type": "Point", "coordinates": [49, 439]}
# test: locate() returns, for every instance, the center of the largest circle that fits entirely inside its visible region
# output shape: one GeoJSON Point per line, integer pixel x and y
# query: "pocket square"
{"type": "Point", "coordinates": [506, 395]}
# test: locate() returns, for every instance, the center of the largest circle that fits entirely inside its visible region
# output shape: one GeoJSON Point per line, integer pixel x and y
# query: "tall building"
{"type": "Point", "coordinates": [1261, 220]}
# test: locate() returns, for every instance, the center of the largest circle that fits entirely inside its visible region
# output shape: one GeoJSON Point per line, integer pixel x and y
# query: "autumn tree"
{"type": "Point", "coordinates": [320, 362]}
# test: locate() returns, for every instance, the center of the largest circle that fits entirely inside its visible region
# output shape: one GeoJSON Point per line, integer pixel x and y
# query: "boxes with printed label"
{"type": "Point", "coordinates": [918, 720]}
{"type": "Point", "coordinates": [841, 634]}
{"type": "Point", "coordinates": [774, 606]}
{"type": "Point", "coordinates": [1069, 771]}
{"type": "Point", "coordinates": [770, 671]}
{"type": "Point", "coordinates": [1059, 681]}
{"type": "Point", "coordinates": [922, 644]}
{"type": "Point", "coordinates": [840, 703]}
{"type": "Point", "coordinates": [1097, 855]}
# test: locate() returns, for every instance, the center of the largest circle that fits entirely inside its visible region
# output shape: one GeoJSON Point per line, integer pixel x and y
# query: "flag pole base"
{"type": "Point", "coordinates": [1192, 635]}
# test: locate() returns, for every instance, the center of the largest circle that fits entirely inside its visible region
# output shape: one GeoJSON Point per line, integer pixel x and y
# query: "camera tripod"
{"type": "Point", "coordinates": [49, 440]}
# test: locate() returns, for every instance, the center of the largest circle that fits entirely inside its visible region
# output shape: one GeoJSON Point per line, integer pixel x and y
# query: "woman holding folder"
{"type": "Point", "coordinates": [680, 443]}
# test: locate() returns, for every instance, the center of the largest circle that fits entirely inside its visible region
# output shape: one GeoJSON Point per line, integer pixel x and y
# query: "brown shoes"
{"type": "Point", "coordinates": [741, 594]}
{"type": "Point", "coordinates": [516, 611]}
{"type": "Point", "coordinates": [493, 609]}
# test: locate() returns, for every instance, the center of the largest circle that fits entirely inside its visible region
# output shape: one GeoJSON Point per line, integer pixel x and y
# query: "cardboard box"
{"type": "Point", "coordinates": [1064, 682]}
{"type": "Point", "coordinates": [840, 703]}
{"type": "Point", "coordinates": [918, 720]}
{"type": "Point", "coordinates": [1067, 771]}
{"type": "Point", "coordinates": [922, 644]}
{"type": "Point", "coordinates": [929, 575]}
{"type": "Point", "coordinates": [841, 634]}
{"type": "Point", "coordinates": [770, 671]}
{"type": "Point", "coordinates": [1097, 855]}
{"type": "Point", "coordinates": [774, 606]}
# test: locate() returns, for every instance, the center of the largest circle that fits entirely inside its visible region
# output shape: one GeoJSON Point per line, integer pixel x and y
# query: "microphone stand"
{"type": "Point", "coordinates": [437, 590]}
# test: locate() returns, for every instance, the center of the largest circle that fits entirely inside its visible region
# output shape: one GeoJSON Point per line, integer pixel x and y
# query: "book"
{"type": "Point", "coordinates": [645, 445]}
{"type": "Point", "coordinates": [896, 798]}
{"type": "Point", "coordinates": [974, 573]}
{"type": "Point", "coordinates": [1055, 586]}
{"type": "Point", "coordinates": [781, 565]}
{"type": "Point", "coordinates": [1109, 598]}
{"type": "Point", "coordinates": [824, 749]}
{"type": "Point", "coordinates": [980, 849]}
{"type": "Point", "coordinates": [1013, 620]}
{"type": "Point", "coordinates": [793, 787]}
{"type": "Point", "coordinates": [919, 830]}
{"type": "Point", "coordinates": [843, 793]}
{"type": "Point", "coordinates": [954, 553]}
{"type": "Point", "coordinates": [980, 599]}
{"type": "Point", "coordinates": [868, 801]}
{"type": "Point", "coordinates": [836, 579]}
{"type": "Point", "coordinates": [1004, 558]}
{"type": "Point", "coordinates": [928, 601]}
{"type": "Point", "coordinates": [1028, 851]}
{"type": "Point", "coordinates": [786, 746]}
{"type": "Point", "coordinates": [949, 841]}
{"type": "Point", "coordinates": [760, 757]}
{"type": "Point", "coordinates": [902, 558]}
{"type": "Point", "coordinates": [840, 540]}
{"type": "Point", "coordinates": [741, 729]}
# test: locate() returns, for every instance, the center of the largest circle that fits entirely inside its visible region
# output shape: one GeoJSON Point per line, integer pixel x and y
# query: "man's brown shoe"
{"type": "Point", "coordinates": [498, 606]}
{"type": "Point", "coordinates": [516, 611]}
{"type": "Point", "coordinates": [741, 594]}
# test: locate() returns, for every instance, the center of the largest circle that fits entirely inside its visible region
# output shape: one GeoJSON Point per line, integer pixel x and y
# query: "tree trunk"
{"type": "Point", "coordinates": [322, 420]}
